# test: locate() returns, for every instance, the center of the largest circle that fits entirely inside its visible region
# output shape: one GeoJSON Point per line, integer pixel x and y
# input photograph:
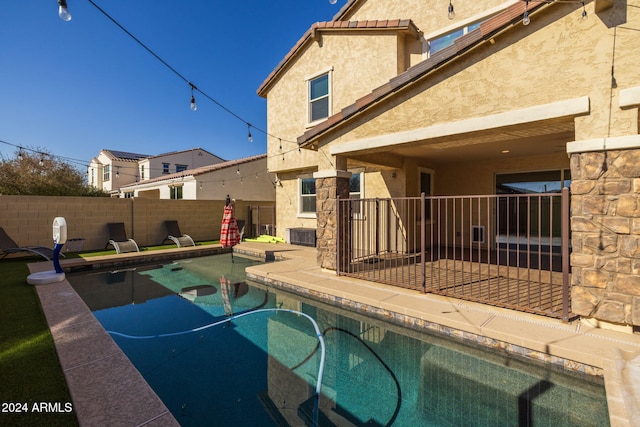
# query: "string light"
{"type": "Point", "coordinates": [584, 12]}
{"type": "Point", "coordinates": [238, 171]}
{"type": "Point", "coordinates": [63, 12]}
{"type": "Point", "coordinates": [452, 13]}
{"type": "Point", "coordinates": [249, 136]}
{"type": "Point", "coordinates": [20, 153]}
{"type": "Point", "coordinates": [193, 104]}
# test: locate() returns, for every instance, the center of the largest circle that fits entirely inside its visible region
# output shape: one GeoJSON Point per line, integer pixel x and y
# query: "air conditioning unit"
{"type": "Point", "coordinates": [301, 236]}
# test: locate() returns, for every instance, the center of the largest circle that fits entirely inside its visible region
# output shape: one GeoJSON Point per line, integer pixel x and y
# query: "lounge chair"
{"type": "Point", "coordinates": [9, 246]}
{"type": "Point", "coordinates": [175, 235]}
{"type": "Point", "coordinates": [241, 224]}
{"type": "Point", "coordinates": [118, 239]}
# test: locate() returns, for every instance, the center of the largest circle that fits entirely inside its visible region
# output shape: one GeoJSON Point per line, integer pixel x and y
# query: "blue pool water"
{"type": "Point", "coordinates": [261, 367]}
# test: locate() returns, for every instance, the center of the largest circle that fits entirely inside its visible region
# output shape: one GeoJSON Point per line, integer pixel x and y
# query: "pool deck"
{"type": "Point", "coordinates": [106, 389]}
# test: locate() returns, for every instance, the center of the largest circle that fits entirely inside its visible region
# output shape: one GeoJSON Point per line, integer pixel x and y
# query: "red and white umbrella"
{"type": "Point", "coordinates": [229, 233]}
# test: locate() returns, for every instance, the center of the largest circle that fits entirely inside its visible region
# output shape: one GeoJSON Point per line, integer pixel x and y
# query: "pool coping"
{"type": "Point", "coordinates": [105, 386]}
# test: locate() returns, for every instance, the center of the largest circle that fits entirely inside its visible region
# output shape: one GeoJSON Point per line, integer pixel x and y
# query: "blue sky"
{"type": "Point", "coordinates": [74, 88]}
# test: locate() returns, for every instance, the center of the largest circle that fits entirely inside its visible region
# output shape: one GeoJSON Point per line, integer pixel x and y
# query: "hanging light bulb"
{"type": "Point", "coordinates": [20, 153]}
{"type": "Point", "coordinates": [249, 136]}
{"type": "Point", "coordinates": [63, 12]}
{"type": "Point", "coordinates": [525, 17]}
{"type": "Point", "coordinates": [452, 13]}
{"type": "Point", "coordinates": [238, 171]}
{"type": "Point", "coordinates": [193, 104]}
{"type": "Point", "coordinates": [584, 12]}
{"type": "Point", "coordinates": [41, 162]}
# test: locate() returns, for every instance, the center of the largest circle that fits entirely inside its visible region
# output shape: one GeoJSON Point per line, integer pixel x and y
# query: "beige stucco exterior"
{"type": "Point", "coordinates": [508, 98]}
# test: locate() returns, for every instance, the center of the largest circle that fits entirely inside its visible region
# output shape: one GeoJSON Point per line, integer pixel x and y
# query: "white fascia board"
{"type": "Point", "coordinates": [554, 110]}
{"type": "Point", "coordinates": [601, 144]}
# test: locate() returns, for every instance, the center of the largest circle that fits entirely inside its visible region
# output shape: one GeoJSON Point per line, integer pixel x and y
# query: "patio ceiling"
{"type": "Point", "coordinates": [523, 140]}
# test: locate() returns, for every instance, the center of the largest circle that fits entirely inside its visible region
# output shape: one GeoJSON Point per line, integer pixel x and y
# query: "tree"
{"type": "Point", "coordinates": [35, 172]}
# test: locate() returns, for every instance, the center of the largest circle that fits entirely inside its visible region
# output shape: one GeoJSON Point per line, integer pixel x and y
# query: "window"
{"type": "Point", "coordinates": [165, 168]}
{"type": "Point", "coordinates": [530, 216]}
{"type": "Point", "coordinates": [180, 168]}
{"type": "Point", "coordinates": [447, 40]}
{"type": "Point", "coordinates": [307, 196]}
{"type": "Point", "coordinates": [426, 187]}
{"type": "Point", "coordinates": [142, 172]}
{"type": "Point", "coordinates": [319, 98]}
{"type": "Point", "coordinates": [106, 173]}
{"type": "Point", "coordinates": [128, 194]}
{"type": "Point", "coordinates": [175, 192]}
{"type": "Point", "coordinates": [355, 193]}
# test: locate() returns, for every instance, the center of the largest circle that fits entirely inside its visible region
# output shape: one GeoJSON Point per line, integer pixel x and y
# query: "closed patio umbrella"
{"type": "Point", "coordinates": [229, 233]}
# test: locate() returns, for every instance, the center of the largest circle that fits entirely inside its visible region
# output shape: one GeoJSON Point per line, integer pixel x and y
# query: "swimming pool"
{"type": "Point", "coordinates": [262, 367]}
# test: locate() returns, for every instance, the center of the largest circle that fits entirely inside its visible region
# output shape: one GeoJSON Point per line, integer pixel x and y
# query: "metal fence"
{"type": "Point", "coordinates": [509, 250]}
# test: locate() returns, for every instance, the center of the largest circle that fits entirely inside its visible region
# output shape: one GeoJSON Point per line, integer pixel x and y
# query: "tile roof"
{"type": "Point", "coordinates": [183, 151]}
{"type": "Point", "coordinates": [200, 170]}
{"type": "Point", "coordinates": [313, 33]}
{"type": "Point", "coordinates": [486, 31]}
{"type": "Point", "coordinates": [125, 155]}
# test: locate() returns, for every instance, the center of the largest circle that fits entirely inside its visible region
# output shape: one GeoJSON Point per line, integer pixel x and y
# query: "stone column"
{"type": "Point", "coordinates": [329, 186]}
{"type": "Point", "coordinates": [605, 225]}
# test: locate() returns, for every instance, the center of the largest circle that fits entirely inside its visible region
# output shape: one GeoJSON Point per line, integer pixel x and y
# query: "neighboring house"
{"type": "Point", "coordinates": [112, 169]}
{"type": "Point", "coordinates": [243, 179]}
{"type": "Point", "coordinates": [393, 99]}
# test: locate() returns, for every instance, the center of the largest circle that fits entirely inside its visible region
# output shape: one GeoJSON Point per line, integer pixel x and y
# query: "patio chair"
{"type": "Point", "coordinates": [241, 224]}
{"type": "Point", "coordinates": [9, 246]}
{"type": "Point", "coordinates": [118, 239]}
{"type": "Point", "coordinates": [175, 235]}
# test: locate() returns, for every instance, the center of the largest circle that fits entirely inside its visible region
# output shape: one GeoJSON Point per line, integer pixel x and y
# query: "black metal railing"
{"type": "Point", "coordinates": [506, 250]}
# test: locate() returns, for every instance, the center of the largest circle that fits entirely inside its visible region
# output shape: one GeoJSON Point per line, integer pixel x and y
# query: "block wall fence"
{"type": "Point", "coordinates": [29, 219]}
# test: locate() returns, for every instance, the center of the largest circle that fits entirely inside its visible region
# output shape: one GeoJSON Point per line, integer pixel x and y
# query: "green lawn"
{"type": "Point", "coordinates": [30, 372]}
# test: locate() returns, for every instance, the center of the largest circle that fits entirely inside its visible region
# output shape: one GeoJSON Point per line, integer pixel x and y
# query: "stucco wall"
{"type": "Point", "coordinates": [28, 219]}
{"type": "Point", "coordinates": [538, 64]}
{"type": "Point", "coordinates": [287, 99]}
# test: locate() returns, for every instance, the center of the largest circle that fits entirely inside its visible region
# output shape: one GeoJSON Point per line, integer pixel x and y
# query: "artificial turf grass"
{"type": "Point", "coordinates": [30, 371]}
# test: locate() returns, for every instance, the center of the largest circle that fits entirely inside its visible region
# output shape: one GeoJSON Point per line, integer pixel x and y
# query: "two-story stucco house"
{"type": "Point", "coordinates": [112, 169]}
{"type": "Point", "coordinates": [395, 99]}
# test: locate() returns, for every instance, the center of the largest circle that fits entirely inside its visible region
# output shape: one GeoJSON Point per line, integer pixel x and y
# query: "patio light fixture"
{"type": "Point", "coordinates": [249, 136]}
{"type": "Point", "coordinates": [63, 12]}
{"type": "Point", "coordinates": [452, 13]}
{"type": "Point", "coordinates": [193, 104]}
{"type": "Point", "coordinates": [525, 17]}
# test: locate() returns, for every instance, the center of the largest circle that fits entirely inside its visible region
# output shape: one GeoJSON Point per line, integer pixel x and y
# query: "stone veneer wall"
{"type": "Point", "coordinates": [327, 189]}
{"type": "Point", "coordinates": [605, 225]}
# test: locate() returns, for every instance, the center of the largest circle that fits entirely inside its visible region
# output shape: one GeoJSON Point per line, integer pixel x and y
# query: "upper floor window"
{"type": "Point", "coordinates": [447, 40]}
{"type": "Point", "coordinates": [180, 168]}
{"type": "Point", "coordinates": [142, 172]}
{"type": "Point", "coordinates": [319, 97]}
{"type": "Point", "coordinates": [106, 172]}
{"type": "Point", "coordinates": [165, 168]}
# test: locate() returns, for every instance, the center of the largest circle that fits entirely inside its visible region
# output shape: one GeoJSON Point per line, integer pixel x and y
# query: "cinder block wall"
{"type": "Point", "coordinates": [29, 219]}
